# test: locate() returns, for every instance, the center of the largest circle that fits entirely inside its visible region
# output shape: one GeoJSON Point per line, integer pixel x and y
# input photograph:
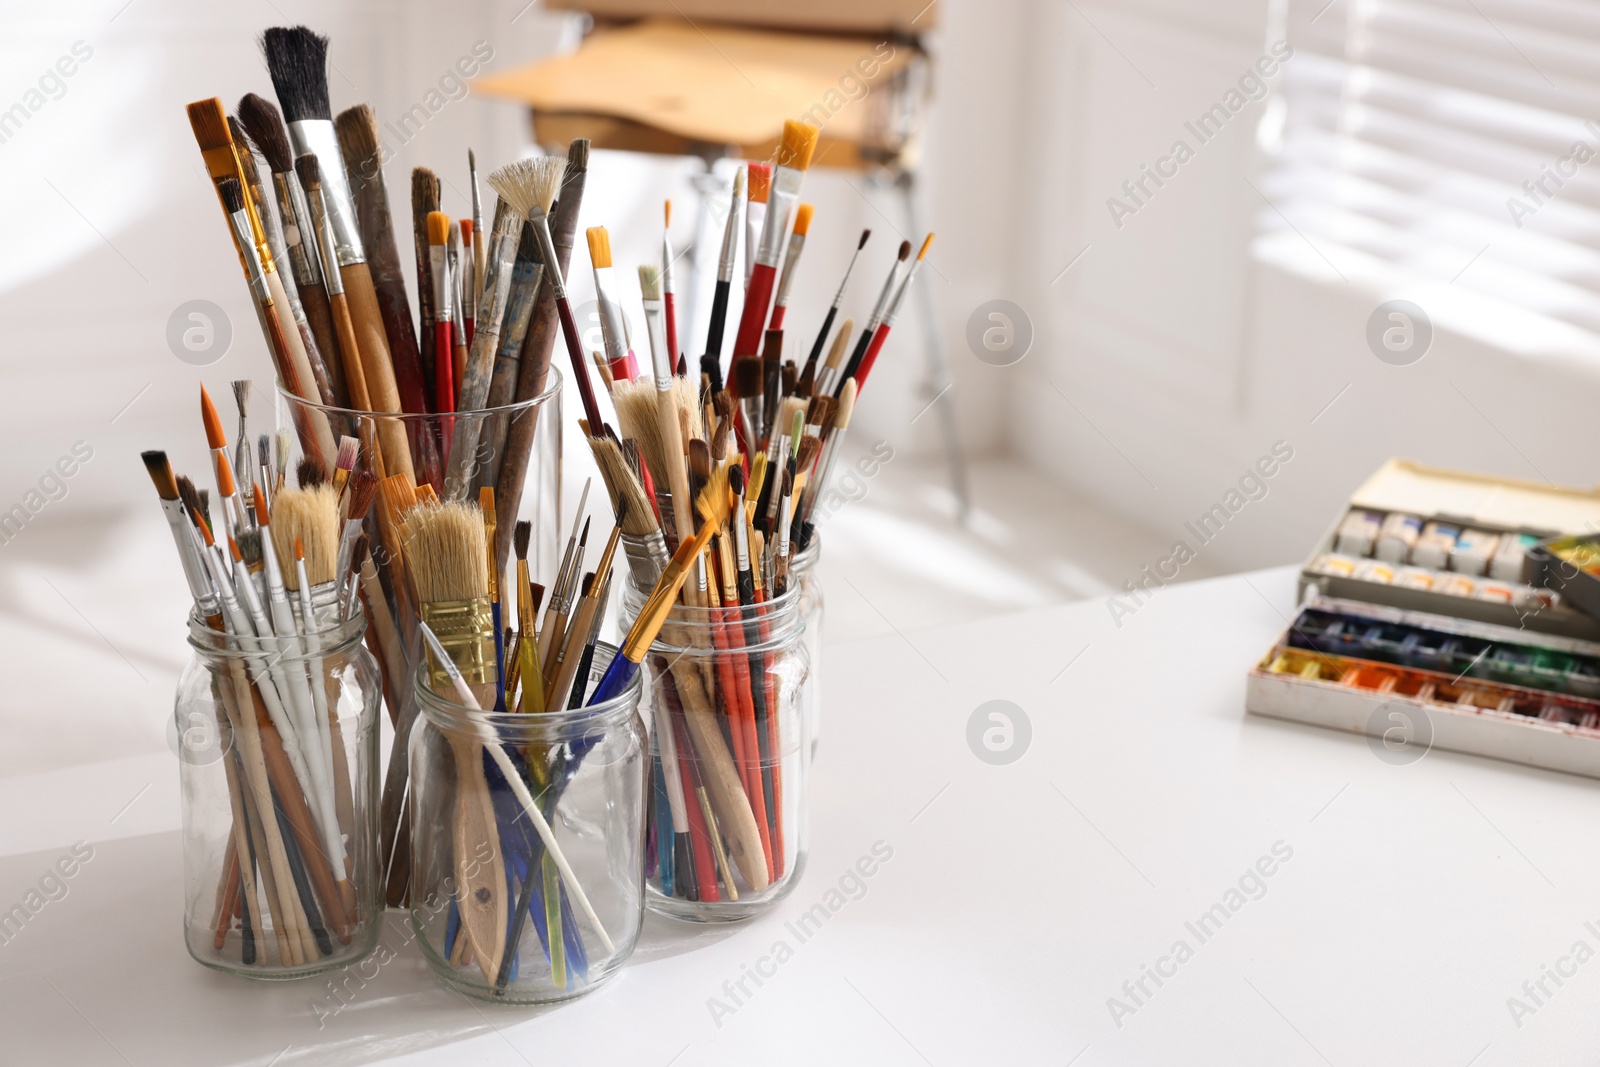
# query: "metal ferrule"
{"type": "Point", "coordinates": [884, 299]}
{"type": "Point", "coordinates": [298, 234]}
{"type": "Point", "coordinates": [741, 539]}
{"type": "Point", "coordinates": [466, 630]}
{"type": "Point", "coordinates": [900, 295]}
{"type": "Point", "coordinates": [252, 259]}
{"type": "Point", "coordinates": [730, 241]}
{"type": "Point", "coordinates": [797, 241]}
{"type": "Point", "coordinates": [666, 267]}
{"type": "Point", "coordinates": [317, 137]}
{"type": "Point", "coordinates": [611, 322]}
{"type": "Point", "coordinates": [317, 206]}
{"type": "Point", "coordinates": [781, 202]}
{"type": "Point", "coordinates": [785, 520]}
{"type": "Point", "coordinates": [444, 307]}
{"type": "Point", "coordinates": [547, 253]}
{"type": "Point", "coordinates": [660, 358]}
{"type": "Point", "coordinates": [193, 569]}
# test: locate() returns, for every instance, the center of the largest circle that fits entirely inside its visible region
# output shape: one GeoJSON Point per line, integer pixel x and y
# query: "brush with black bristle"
{"type": "Point", "coordinates": [308, 473]}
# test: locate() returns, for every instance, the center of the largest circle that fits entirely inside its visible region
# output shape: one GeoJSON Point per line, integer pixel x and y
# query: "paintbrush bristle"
{"type": "Point", "coordinates": [759, 183]}
{"type": "Point", "coordinates": [248, 546]}
{"type": "Point", "coordinates": [599, 246]}
{"type": "Point", "coordinates": [747, 376]}
{"type": "Point", "coordinates": [863, 242]}
{"type": "Point", "coordinates": [521, 534]}
{"type": "Point", "coordinates": [310, 516]}
{"type": "Point", "coordinates": [297, 61]}
{"type": "Point", "coordinates": [529, 185]}
{"type": "Point", "coordinates": [447, 552]}
{"type": "Point", "coordinates": [628, 500]}
{"type": "Point", "coordinates": [716, 499]}
{"type": "Point", "coordinates": [649, 281]}
{"type": "Point", "coordinates": [215, 437]}
{"type": "Point", "coordinates": [190, 498]}
{"type": "Point", "coordinates": [809, 447]}
{"type": "Point", "coordinates": [637, 418]}
{"type": "Point", "coordinates": [209, 120]}
{"type": "Point", "coordinates": [820, 410]}
{"type": "Point", "coordinates": [308, 473]}
{"type": "Point", "coordinates": [264, 126]}
{"type": "Point", "coordinates": [357, 130]}
{"type": "Point", "coordinates": [362, 487]}
{"type": "Point", "coordinates": [927, 243]}
{"type": "Point", "coordinates": [258, 499]}
{"type": "Point", "coordinates": [802, 219]}
{"type": "Point", "coordinates": [203, 502]}
{"type": "Point", "coordinates": [349, 452]}
{"type": "Point", "coordinates": [578, 154]}
{"type": "Point", "coordinates": [905, 250]}
{"type": "Point", "coordinates": [799, 142]}
{"type": "Point", "coordinates": [161, 474]}
{"type": "Point", "coordinates": [309, 170]}
{"type": "Point", "coordinates": [699, 459]}
{"type": "Point", "coordinates": [736, 479]}
{"type": "Point", "coordinates": [241, 395]}
{"type": "Point", "coordinates": [399, 495]}
{"type": "Point", "coordinates": [667, 215]}
{"type": "Point", "coordinates": [232, 195]}
{"type": "Point", "coordinates": [840, 340]}
{"type": "Point", "coordinates": [847, 406]}
{"type": "Point", "coordinates": [438, 228]}
{"type": "Point", "coordinates": [285, 448]}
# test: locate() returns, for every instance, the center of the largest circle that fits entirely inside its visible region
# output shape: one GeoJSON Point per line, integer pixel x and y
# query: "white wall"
{"type": "Point", "coordinates": [1170, 357]}
{"type": "Point", "coordinates": [110, 222]}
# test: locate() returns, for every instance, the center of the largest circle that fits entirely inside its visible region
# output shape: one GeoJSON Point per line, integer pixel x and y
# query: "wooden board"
{"type": "Point", "coordinates": [711, 84]}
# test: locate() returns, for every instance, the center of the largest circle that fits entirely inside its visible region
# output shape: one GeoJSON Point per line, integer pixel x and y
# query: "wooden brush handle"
{"type": "Point", "coordinates": [304, 381]}
{"type": "Point", "coordinates": [572, 652]}
{"type": "Point", "coordinates": [349, 352]}
{"type": "Point", "coordinates": [319, 317]}
{"type": "Point", "coordinates": [479, 868]}
{"type": "Point", "coordinates": [384, 396]}
{"type": "Point", "coordinates": [734, 815]}
{"type": "Point", "coordinates": [293, 805]}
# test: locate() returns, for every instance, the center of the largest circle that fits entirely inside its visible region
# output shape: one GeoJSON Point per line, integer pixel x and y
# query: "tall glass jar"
{"type": "Point", "coordinates": [725, 695]}
{"type": "Point", "coordinates": [516, 450]}
{"type": "Point", "coordinates": [278, 752]}
{"type": "Point", "coordinates": [804, 568]}
{"type": "Point", "coordinates": [528, 906]}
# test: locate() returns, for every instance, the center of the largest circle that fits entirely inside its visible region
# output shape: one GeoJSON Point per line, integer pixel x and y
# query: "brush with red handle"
{"type": "Point", "coordinates": [794, 156]}
{"type": "Point", "coordinates": [881, 335]}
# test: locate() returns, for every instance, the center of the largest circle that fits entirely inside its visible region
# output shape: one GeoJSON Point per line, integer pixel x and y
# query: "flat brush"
{"type": "Point", "coordinates": [613, 325]}
{"type": "Point", "coordinates": [878, 310]}
{"type": "Point", "coordinates": [297, 60]}
{"type": "Point", "coordinates": [194, 569]}
{"type": "Point", "coordinates": [794, 157]}
{"type": "Point", "coordinates": [791, 264]}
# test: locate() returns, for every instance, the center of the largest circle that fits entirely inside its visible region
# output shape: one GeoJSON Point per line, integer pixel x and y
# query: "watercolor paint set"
{"type": "Point", "coordinates": [1456, 544]}
{"type": "Point", "coordinates": [1449, 610]}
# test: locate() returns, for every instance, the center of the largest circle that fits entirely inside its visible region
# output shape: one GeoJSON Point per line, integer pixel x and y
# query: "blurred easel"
{"type": "Point", "coordinates": [717, 78]}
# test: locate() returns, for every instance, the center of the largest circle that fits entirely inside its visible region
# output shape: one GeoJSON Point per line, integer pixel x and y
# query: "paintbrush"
{"type": "Point", "coordinates": [443, 310]}
{"type": "Point", "coordinates": [755, 213]}
{"type": "Point", "coordinates": [469, 277]}
{"type": "Point", "coordinates": [613, 324]}
{"type": "Point", "coordinates": [555, 231]}
{"type": "Point", "coordinates": [300, 333]}
{"type": "Point", "coordinates": [794, 156]}
{"type": "Point", "coordinates": [881, 334]}
{"type": "Point", "coordinates": [827, 377]}
{"type": "Point", "coordinates": [349, 452]}
{"type": "Point", "coordinates": [791, 264]}
{"type": "Point", "coordinates": [583, 623]}
{"type": "Point", "coordinates": [480, 250]}
{"type": "Point", "coordinates": [425, 201]}
{"type": "Point", "coordinates": [878, 311]}
{"type": "Point", "coordinates": [487, 510]}
{"type": "Point", "coordinates": [525, 664]}
{"type": "Point", "coordinates": [357, 131]}
{"type": "Point", "coordinates": [711, 361]}
{"type": "Point", "coordinates": [671, 446]}
{"type": "Point", "coordinates": [668, 290]}
{"type": "Point", "coordinates": [194, 570]}
{"type": "Point", "coordinates": [833, 308]}
{"type": "Point", "coordinates": [309, 172]}
{"type": "Point", "coordinates": [297, 60]}
{"type": "Point", "coordinates": [841, 423]}
{"type": "Point", "coordinates": [461, 345]}
{"type": "Point", "coordinates": [266, 131]}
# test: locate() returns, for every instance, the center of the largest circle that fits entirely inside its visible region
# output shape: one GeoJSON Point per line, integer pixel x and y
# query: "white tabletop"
{"type": "Point", "coordinates": [1019, 899]}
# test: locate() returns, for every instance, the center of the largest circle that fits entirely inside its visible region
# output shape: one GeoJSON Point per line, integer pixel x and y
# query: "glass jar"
{"type": "Point", "coordinates": [516, 449]}
{"type": "Point", "coordinates": [811, 607]}
{"type": "Point", "coordinates": [483, 873]}
{"type": "Point", "coordinates": [725, 694]}
{"type": "Point", "coordinates": [278, 753]}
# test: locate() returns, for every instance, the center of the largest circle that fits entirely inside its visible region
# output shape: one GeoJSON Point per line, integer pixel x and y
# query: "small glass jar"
{"type": "Point", "coordinates": [474, 843]}
{"type": "Point", "coordinates": [278, 753]}
{"type": "Point", "coordinates": [804, 568]}
{"type": "Point", "coordinates": [725, 694]}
